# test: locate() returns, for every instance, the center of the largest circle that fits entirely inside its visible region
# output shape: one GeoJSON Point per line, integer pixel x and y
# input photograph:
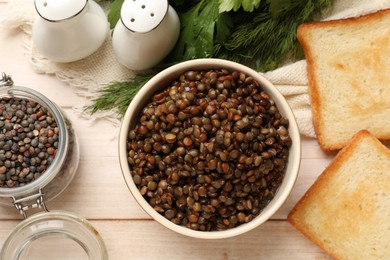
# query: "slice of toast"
{"type": "Point", "coordinates": [348, 64]}
{"type": "Point", "coordinates": [346, 212]}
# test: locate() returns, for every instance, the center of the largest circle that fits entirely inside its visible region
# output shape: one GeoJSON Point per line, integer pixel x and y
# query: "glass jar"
{"type": "Point", "coordinates": [62, 169]}
{"type": "Point", "coordinates": [54, 235]}
{"type": "Point", "coordinates": [45, 228]}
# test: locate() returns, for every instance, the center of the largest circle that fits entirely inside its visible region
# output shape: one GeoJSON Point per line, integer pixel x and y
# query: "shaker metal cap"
{"type": "Point", "coordinates": [57, 10]}
{"type": "Point", "coordinates": [143, 15]}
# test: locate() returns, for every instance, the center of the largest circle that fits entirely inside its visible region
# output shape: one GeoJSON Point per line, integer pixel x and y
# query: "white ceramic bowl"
{"type": "Point", "coordinates": [161, 81]}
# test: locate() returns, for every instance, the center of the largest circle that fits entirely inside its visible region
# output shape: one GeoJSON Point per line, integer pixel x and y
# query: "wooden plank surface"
{"type": "Point", "coordinates": [99, 192]}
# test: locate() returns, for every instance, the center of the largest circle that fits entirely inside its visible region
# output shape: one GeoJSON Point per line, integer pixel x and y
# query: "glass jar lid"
{"type": "Point", "coordinates": [54, 235]}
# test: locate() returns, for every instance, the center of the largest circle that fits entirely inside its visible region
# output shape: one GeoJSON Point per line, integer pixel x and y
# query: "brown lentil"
{"type": "Point", "coordinates": [222, 149]}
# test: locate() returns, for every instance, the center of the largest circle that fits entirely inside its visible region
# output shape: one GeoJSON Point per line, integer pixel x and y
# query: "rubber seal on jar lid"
{"type": "Point", "coordinates": [54, 235]}
{"type": "Point", "coordinates": [143, 15]}
{"type": "Point", "coordinates": [58, 10]}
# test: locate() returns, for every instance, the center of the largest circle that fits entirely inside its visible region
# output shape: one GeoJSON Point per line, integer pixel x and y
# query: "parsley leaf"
{"type": "Point", "coordinates": [201, 26]}
{"type": "Point", "coordinates": [247, 5]}
{"type": "Point", "coordinates": [114, 12]}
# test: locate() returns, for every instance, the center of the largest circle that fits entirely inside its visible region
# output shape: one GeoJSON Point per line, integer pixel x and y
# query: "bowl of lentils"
{"type": "Point", "coordinates": [209, 148]}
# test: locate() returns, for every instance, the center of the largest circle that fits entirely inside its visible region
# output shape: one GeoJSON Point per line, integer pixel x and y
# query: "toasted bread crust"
{"type": "Point", "coordinates": [318, 185]}
{"type": "Point", "coordinates": [304, 35]}
{"type": "Point", "coordinates": [295, 217]}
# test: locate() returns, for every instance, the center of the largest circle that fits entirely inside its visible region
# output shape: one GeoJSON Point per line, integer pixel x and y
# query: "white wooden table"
{"type": "Point", "coordinates": [99, 192]}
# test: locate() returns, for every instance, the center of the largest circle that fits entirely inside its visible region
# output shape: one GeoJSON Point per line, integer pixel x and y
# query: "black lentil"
{"type": "Point", "coordinates": [219, 146]}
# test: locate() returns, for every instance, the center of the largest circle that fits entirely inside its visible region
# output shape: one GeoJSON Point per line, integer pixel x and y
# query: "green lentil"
{"type": "Point", "coordinates": [25, 150]}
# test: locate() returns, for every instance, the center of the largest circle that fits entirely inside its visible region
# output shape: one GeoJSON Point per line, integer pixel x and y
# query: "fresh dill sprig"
{"type": "Point", "coordinates": [118, 95]}
{"type": "Point", "coordinates": [265, 39]}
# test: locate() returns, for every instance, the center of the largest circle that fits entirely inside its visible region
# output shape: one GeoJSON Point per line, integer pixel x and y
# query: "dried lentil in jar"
{"type": "Point", "coordinates": [210, 151]}
{"type": "Point", "coordinates": [28, 141]}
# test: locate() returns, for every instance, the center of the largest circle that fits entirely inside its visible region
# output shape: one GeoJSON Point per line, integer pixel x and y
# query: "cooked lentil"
{"type": "Point", "coordinates": [219, 147]}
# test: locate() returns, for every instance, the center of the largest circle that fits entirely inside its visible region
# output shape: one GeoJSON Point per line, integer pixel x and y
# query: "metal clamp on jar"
{"type": "Point", "coordinates": [39, 156]}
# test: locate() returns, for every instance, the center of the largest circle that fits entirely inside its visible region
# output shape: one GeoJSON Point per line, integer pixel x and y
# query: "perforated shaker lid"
{"type": "Point", "coordinates": [143, 15]}
{"type": "Point", "coordinates": [57, 10]}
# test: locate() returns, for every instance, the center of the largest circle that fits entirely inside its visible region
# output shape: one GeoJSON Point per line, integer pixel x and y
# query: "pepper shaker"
{"type": "Point", "coordinates": [68, 30]}
{"type": "Point", "coordinates": [146, 33]}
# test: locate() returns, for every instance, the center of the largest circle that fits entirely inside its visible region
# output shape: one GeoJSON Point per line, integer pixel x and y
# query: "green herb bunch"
{"type": "Point", "coordinates": [258, 33]}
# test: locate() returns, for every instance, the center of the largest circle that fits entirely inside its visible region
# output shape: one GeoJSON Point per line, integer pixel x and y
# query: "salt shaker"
{"type": "Point", "coordinates": [146, 33]}
{"type": "Point", "coordinates": [68, 30]}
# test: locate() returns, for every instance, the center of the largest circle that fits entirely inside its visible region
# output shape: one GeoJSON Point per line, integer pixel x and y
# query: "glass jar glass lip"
{"type": "Point", "coordinates": [53, 169]}
{"type": "Point", "coordinates": [52, 223]}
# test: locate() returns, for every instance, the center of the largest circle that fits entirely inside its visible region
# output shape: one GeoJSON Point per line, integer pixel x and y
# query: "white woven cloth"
{"type": "Point", "coordinates": [89, 74]}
